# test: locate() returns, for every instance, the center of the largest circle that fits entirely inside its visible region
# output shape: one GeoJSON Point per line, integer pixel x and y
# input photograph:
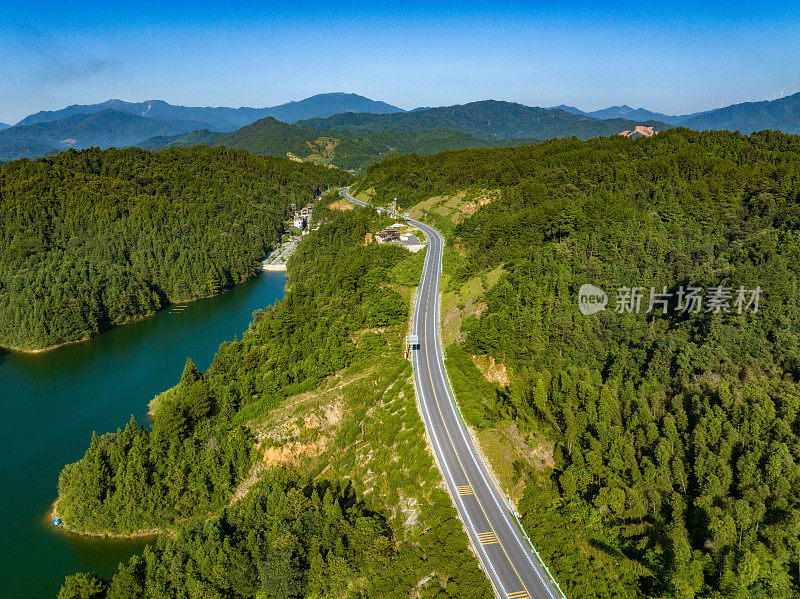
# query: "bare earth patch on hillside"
{"type": "Point", "coordinates": [361, 425]}
{"type": "Point", "coordinates": [323, 149]}
{"type": "Point", "coordinates": [460, 250]}
{"type": "Point", "coordinates": [291, 453]}
{"type": "Point", "coordinates": [640, 130]}
{"type": "Point", "coordinates": [471, 207]}
{"type": "Point", "coordinates": [492, 371]}
{"type": "Point", "coordinates": [308, 435]}
{"type": "Point", "coordinates": [299, 429]}
{"type": "Point", "coordinates": [358, 336]}
{"type": "Point", "coordinates": [342, 205]}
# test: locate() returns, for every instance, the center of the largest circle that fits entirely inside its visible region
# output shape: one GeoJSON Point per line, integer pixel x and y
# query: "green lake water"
{"type": "Point", "coordinates": [52, 401]}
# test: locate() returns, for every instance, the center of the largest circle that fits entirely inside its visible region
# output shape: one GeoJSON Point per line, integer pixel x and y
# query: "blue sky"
{"type": "Point", "coordinates": [676, 58]}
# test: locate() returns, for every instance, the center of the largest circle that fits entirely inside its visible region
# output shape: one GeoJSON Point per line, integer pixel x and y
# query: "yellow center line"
{"type": "Point", "coordinates": [460, 463]}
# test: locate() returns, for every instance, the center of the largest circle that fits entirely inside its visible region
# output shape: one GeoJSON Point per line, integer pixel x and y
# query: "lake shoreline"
{"type": "Point", "coordinates": [53, 402]}
{"type": "Point", "coordinates": [144, 533]}
{"type": "Point", "coordinates": [40, 350]}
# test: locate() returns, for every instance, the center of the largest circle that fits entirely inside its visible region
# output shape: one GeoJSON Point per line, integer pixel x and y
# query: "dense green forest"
{"type": "Point", "coordinates": [284, 539]}
{"type": "Point", "coordinates": [292, 535]}
{"type": "Point", "coordinates": [200, 137]}
{"type": "Point", "coordinates": [197, 449]}
{"type": "Point", "coordinates": [677, 435]}
{"type": "Point", "coordinates": [95, 238]}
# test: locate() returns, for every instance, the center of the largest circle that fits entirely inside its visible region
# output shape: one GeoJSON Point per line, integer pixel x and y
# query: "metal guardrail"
{"type": "Point", "coordinates": [433, 452]}
{"type": "Point", "coordinates": [477, 445]}
{"type": "Point", "coordinates": [508, 501]}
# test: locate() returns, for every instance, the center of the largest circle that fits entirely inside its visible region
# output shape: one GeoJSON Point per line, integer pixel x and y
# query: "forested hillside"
{"type": "Point", "coordinates": [202, 137]}
{"type": "Point", "coordinates": [95, 238]}
{"type": "Point", "coordinates": [367, 517]}
{"type": "Point", "coordinates": [174, 471]}
{"type": "Point", "coordinates": [488, 119]}
{"type": "Point", "coordinates": [270, 137]}
{"type": "Point", "coordinates": [676, 462]}
{"type": "Point", "coordinates": [285, 539]}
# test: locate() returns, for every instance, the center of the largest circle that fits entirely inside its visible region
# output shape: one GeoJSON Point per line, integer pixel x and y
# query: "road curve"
{"type": "Point", "coordinates": [505, 555]}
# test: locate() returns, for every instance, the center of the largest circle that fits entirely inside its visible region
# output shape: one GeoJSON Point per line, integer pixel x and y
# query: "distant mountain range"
{"type": "Point", "coordinates": [325, 105]}
{"type": "Point", "coordinates": [119, 123]}
{"type": "Point", "coordinates": [345, 139]}
{"type": "Point", "coordinates": [222, 118]}
{"type": "Point", "coordinates": [4, 126]}
{"type": "Point", "coordinates": [781, 115]}
{"type": "Point", "coordinates": [625, 112]}
{"type": "Point", "coordinates": [201, 137]}
{"type": "Point", "coordinates": [104, 129]}
{"type": "Point", "coordinates": [634, 114]}
{"type": "Point", "coordinates": [490, 119]}
{"type": "Point", "coordinates": [354, 140]}
{"type": "Point", "coordinates": [569, 109]}
{"type": "Point", "coordinates": [349, 130]}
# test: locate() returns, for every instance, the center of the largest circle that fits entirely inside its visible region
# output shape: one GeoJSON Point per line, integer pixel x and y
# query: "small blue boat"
{"type": "Point", "coordinates": [57, 521]}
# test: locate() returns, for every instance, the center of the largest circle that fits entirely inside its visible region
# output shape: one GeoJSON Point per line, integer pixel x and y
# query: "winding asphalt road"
{"type": "Point", "coordinates": [505, 555]}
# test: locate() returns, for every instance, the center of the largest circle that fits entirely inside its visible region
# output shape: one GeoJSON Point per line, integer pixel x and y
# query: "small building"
{"type": "Point", "coordinates": [387, 234]}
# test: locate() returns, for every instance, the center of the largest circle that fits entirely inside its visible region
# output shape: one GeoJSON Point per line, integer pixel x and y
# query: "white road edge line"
{"type": "Point", "coordinates": [449, 480]}
{"type": "Point", "coordinates": [490, 487]}
{"type": "Point", "coordinates": [479, 462]}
